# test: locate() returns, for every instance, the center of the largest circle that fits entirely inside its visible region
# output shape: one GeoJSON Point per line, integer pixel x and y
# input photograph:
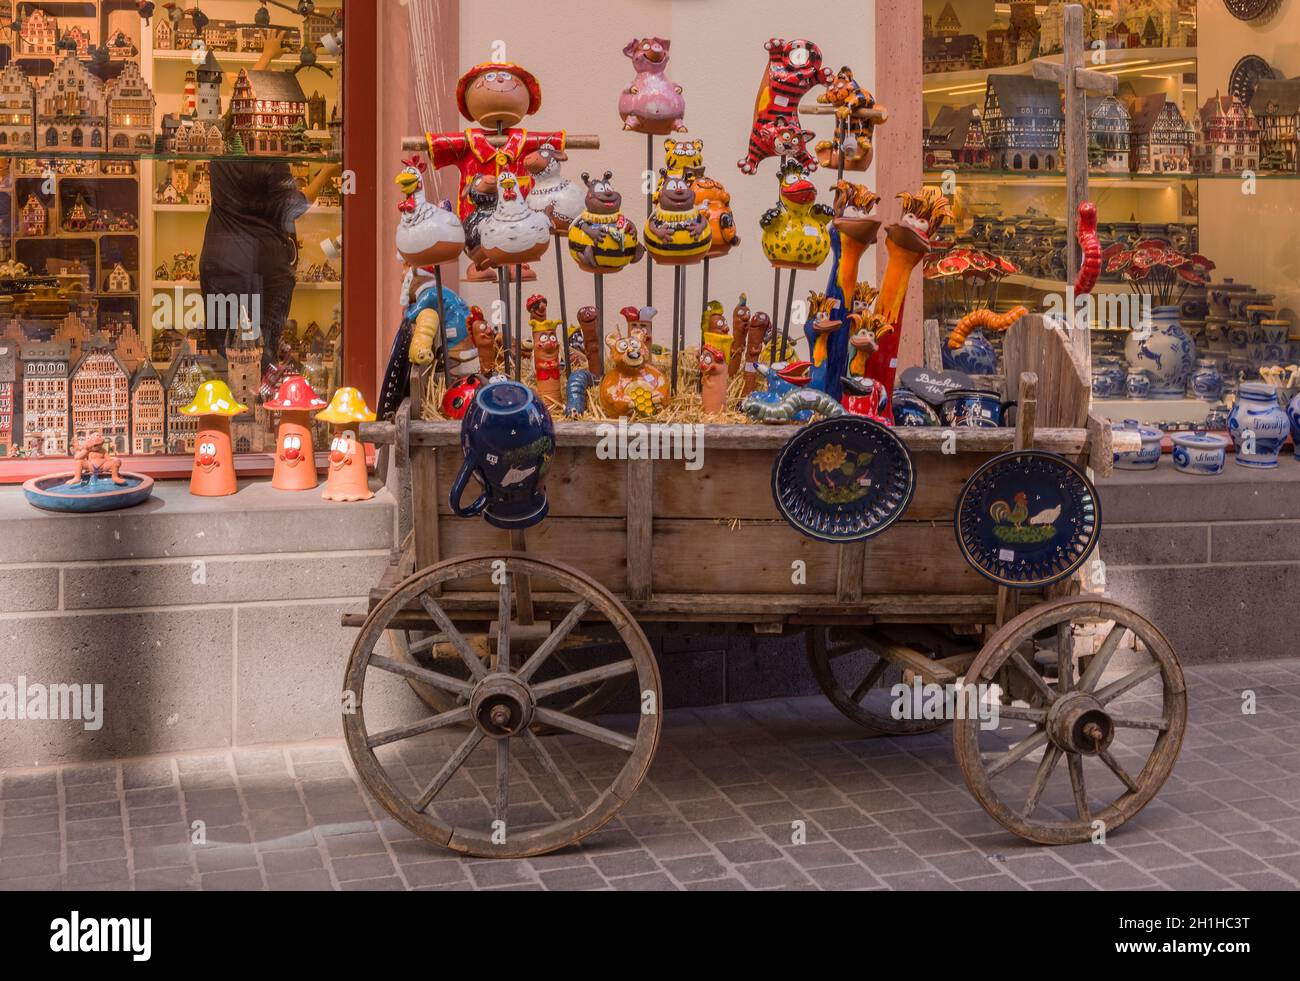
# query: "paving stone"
{"type": "Point", "coordinates": [625, 863]}
{"type": "Point", "coordinates": [581, 877]}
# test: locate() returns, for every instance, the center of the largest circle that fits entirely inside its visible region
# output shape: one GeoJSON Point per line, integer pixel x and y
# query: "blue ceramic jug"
{"type": "Point", "coordinates": [509, 441]}
{"type": "Point", "coordinates": [975, 409]}
{"type": "Point", "coordinates": [1258, 425]}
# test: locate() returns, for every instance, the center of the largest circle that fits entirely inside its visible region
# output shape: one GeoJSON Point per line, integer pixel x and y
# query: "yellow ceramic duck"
{"type": "Point", "coordinates": [796, 233]}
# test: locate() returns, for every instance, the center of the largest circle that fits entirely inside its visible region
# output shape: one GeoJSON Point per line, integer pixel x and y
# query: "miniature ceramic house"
{"type": "Point", "coordinates": [118, 280]}
{"type": "Point", "coordinates": [265, 107]}
{"type": "Point", "coordinates": [1162, 139]}
{"type": "Point", "coordinates": [1227, 137]}
{"type": "Point", "coordinates": [1022, 32]}
{"type": "Point", "coordinates": [183, 378]}
{"type": "Point", "coordinates": [956, 138]}
{"type": "Point", "coordinates": [1276, 104]}
{"type": "Point", "coordinates": [100, 389]}
{"type": "Point", "coordinates": [35, 217]}
{"type": "Point", "coordinates": [79, 217]}
{"type": "Point", "coordinates": [71, 108]}
{"type": "Point", "coordinates": [45, 397]}
{"type": "Point", "coordinates": [17, 108]}
{"type": "Point", "coordinates": [39, 35]}
{"type": "Point", "coordinates": [167, 194]}
{"type": "Point", "coordinates": [121, 46]}
{"type": "Point", "coordinates": [1109, 133]}
{"type": "Point", "coordinates": [208, 78]}
{"type": "Point", "coordinates": [78, 39]}
{"type": "Point", "coordinates": [1023, 122]}
{"type": "Point", "coordinates": [130, 111]}
{"type": "Point", "coordinates": [148, 414]}
{"type": "Point", "coordinates": [202, 193]}
{"type": "Point", "coordinates": [8, 376]}
{"type": "Point", "coordinates": [130, 349]}
{"type": "Point", "coordinates": [164, 35]}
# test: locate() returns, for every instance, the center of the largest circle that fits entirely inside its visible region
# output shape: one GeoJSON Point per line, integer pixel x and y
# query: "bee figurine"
{"type": "Point", "coordinates": [602, 239]}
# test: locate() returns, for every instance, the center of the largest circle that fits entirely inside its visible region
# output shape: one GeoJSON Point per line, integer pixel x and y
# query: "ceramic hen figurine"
{"type": "Point", "coordinates": [796, 233]}
{"type": "Point", "coordinates": [632, 385]}
{"type": "Point", "coordinates": [427, 234]}
{"type": "Point", "coordinates": [602, 239]}
{"type": "Point", "coordinates": [651, 103]}
{"type": "Point", "coordinates": [514, 233]}
{"type": "Point", "coordinates": [677, 231]}
{"type": "Point", "coordinates": [552, 192]}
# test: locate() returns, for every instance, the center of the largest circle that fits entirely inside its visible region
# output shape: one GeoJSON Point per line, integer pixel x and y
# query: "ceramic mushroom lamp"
{"type": "Point", "coordinates": [347, 478]}
{"type": "Point", "coordinates": [295, 458]}
{"type": "Point", "coordinates": [213, 474]}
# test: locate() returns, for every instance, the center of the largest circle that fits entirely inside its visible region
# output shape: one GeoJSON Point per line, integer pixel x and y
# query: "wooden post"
{"type": "Point", "coordinates": [1026, 419]}
{"type": "Point", "coordinates": [640, 522]}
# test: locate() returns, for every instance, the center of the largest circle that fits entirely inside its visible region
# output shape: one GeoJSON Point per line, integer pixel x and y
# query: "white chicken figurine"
{"type": "Point", "coordinates": [428, 234]}
{"type": "Point", "coordinates": [514, 233]}
{"type": "Point", "coordinates": [552, 192]}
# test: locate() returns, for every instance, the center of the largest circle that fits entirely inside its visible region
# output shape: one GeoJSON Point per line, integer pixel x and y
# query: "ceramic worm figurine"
{"type": "Point", "coordinates": [1090, 246]}
{"type": "Point", "coordinates": [982, 318]}
{"type": "Point", "coordinates": [790, 405]}
{"type": "Point", "coordinates": [576, 401]}
{"type": "Point", "coordinates": [793, 67]}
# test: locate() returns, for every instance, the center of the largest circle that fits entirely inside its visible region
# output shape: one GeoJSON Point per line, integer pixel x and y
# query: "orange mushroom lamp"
{"type": "Point", "coordinates": [295, 457]}
{"type": "Point", "coordinates": [213, 474]}
{"type": "Point", "coordinates": [347, 478]}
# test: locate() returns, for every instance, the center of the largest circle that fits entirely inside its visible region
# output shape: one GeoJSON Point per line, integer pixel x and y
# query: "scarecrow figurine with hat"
{"type": "Point", "coordinates": [347, 478]}
{"type": "Point", "coordinates": [295, 457]}
{"type": "Point", "coordinates": [213, 474]}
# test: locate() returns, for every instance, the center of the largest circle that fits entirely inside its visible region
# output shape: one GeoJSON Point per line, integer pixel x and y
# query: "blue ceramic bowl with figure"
{"type": "Point", "coordinates": [1200, 454]}
{"type": "Point", "coordinates": [1258, 425]}
{"type": "Point", "coordinates": [974, 409]}
{"type": "Point", "coordinates": [509, 441]}
{"type": "Point", "coordinates": [90, 495]}
{"type": "Point", "coordinates": [975, 357]}
{"type": "Point", "coordinates": [1145, 458]}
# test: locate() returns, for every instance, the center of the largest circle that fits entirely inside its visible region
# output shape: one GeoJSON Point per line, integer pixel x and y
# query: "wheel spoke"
{"type": "Point", "coordinates": [1117, 688]}
{"type": "Point", "coordinates": [449, 769]}
{"type": "Point", "coordinates": [1097, 665]}
{"type": "Point", "coordinates": [1017, 752]}
{"type": "Point", "coordinates": [1075, 761]}
{"type": "Point", "coordinates": [839, 650]}
{"type": "Point", "coordinates": [443, 681]}
{"type": "Point", "coordinates": [1118, 769]}
{"type": "Point", "coordinates": [1064, 657]}
{"type": "Point", "coordinates": [552, 770]}
{"type": "Point", "coordinates": [568, 681]}
{"type": "Point", "coordinates": [870, 680]}
{"type": "Point", "coordinates": [1043, 774]}
{"type": "Point", "coordinates": [424, 643]}
{"type": "Point", "coordinates": [503, 625]}
{"type": "Point", "coordinates": [503, 778]}
{"type": "Point", "coordinates": [1034, 677]}
{"type": "Point", "coordinates": [1023, 714]}
{"type": "Point", "coordinates": [1125, 722]}
{"type": "Point", "coordinates": [553, 642]}
{"type": "Point", "coordinates": [450, 718]}
{"type": "Point", "coordinates": [457, 639]}
{"type": "Point", "coordinates": [581, 728]}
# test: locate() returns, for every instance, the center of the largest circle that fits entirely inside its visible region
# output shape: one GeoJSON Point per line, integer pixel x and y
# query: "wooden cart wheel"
{"type": "Point", "coordinates": [857, 680]}
{"type": "Point", "coordinates": [1118, 722]}
{"type": "Point", "coordinates": [573, 783]}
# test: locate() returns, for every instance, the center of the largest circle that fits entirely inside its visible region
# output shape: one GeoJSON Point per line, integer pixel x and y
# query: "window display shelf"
{"type": "Point", "coordinates": [185, 56]}
{"type": "Point", "coordinates": [1119, 61]}
{"type": "Point", "coordinates": [295, 158]}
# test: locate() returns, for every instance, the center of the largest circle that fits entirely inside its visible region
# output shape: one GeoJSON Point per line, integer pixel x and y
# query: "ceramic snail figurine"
{"type": "Point", "coordinates": [295, 457]}
{"type": "Point", "coordinates": [602, 239]}
{"type": "Point", "coordinates": [796, 233]}
{"type": "Point", "coordinates": [848, 97]}
{"type": "Point", "coordinates": [793, 67]}
{"type": "Point", "coordinates": [427, 234]}
{"type": "Point", "coordinates": [651, 103]}
{"type": "Point", "coordinates": [484, 337]}
{"type": "Point", "coordinates": [213, 474]}
{"type": "Point", "coordinates": [560, 198]}
{"type": "Point", "coordinates": [677, 231]}
{"type": "Point", "coordinates": [347, 478]}
{"type": "Point", "coordinates": [514, 233]}
{"type": "Point", "coordinates": [824, 320]}
{"type": "Point", "coordinates": [632, 385]}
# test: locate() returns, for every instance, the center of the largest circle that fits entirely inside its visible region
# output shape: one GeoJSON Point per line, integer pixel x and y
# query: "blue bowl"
{"type": "Point", "coordinates": [92, 495]}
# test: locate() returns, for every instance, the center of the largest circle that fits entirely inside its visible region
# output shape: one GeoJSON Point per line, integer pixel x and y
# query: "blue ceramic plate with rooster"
{"type": "Point", "coordinates": [1027, 519]}
{"type": "Point", "coordinates": [843, 479]}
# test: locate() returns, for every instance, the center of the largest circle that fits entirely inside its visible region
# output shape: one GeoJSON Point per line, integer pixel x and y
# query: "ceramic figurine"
{"type": "Point", "coordinates": [295, 457]}
{"type": "Point", "coordinates": [866, 329]}
{"type": "Point", "coordinates": [760, 325]}
{"type": "Point", "coordinates": [641, 319]}
{"type": "Point", "coordinates": [848, 98]}
{"type": "Point", "coordinates": [591, 340]}
{"type": "Point", "coordinates": [713, 379]}
{"type": "Point", "coordinates": [347, 478]}
{"type": "Point", "coordinates": [782, 378]}
{"type": "Point", "coordinates": [633, 385]}
{"type": "Point", "coordinates": [793, 67]}
{"type": "Point", "coordinates": [602, 239]}
{"type": "Point", "coordinates": [456, 400]}
{"type": "Point", "coordinates": [796, 233]}
{"type": "Point", "coordinates": [740, 315]}
{"type": "Point", "coordinates": [1089, 247]}
{"type": "Point", "coordinates": [712, 197]}
{"type": "Point", "coordinates": [94, 461]}
{"type": "Point", "coordinates": [580, 381]}
{"type": "Point", "coordinates": [677, 231]}
{"type": "Point", "coordinates": [213, 474]}
{"type": "Point", "coordinates": [796, 405]}
{"type": "Point", "coordinates": [427, 234]}
{"type": "Point", "coordinates": [1258, 425]}
{"type": "Point", "coordinates": [482, 198]}
{"type": "Point", "coordinates": [982, 320]}
{"type": "Point", "coordinates": [864, 397]}
{"type": "Point", "coordinates": [1199, 454]}
{"type": "Point", "coordinates": [651, 103]}
{"type": "Point", "coordinates": [824, 321]}
{"type": "Point", "coordinates": [783, 138]}
{"type": "Point", "coordinates": [546, 360]}
{"type": "Point", "coordinates": [684, 157]}
{"type": "Point", "coordinates": [514, 233]}
{"type": "Point", "coordinates": [484, 337]}
{"type": "Point", "coordinates": [553, 193]}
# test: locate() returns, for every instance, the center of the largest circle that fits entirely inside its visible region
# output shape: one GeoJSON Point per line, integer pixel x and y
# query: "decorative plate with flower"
{"type": "Point", "coordinates": [843, 479]}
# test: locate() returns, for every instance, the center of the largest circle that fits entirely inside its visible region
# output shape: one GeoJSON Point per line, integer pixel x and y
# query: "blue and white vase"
{"type": "Point", "coordinates": [1207, 382]}
{"type": "Point", "coordinates": [1138, 384]}
{"type": "Point", "coordinates": [1160, 346]}
{"type": "Point", "coordinates": [1145, 458]}
{"type": "Point", "coordinates": [976, 357]}
{"type": "Point", "coordinates": [1258, 425]}
{"type": "Point", "coordinates": [1200, 453]}
{"type": "Point", "coordinates": [1293, 413]}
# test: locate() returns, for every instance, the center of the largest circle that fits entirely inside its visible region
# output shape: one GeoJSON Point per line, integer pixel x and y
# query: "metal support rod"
{"type": "Point", "coordinates": [600, 312]}
{"type": "Point", "coordinates": [704, 294]}
{"type": "Point", "coordinates": [564, 303]}
{"type": "Point", "coordinates": [503, 297]}
{"type": "Point", "coordinates": [649, 209]}
{"type": "Point", "coordinates": [789, 309]}
{"type": "Point", "coordinates": [677, 289]}
{"type": "Point", "coordinates": [681, 298]}
{"type": "Point", "coordinates": [519, 322]}
{"type": "Point", "coordinates": [442, 328]}
{"type": "Point", "coordinates": [776, 306]}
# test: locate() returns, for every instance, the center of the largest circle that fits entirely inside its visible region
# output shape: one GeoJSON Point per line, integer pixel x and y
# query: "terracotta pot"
{"type": "Point", "coordinates": [295, 458]}
{"type": "Point", "coordinates": [213, 474]}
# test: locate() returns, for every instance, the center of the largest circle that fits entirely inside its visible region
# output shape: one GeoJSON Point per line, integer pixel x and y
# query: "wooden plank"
{"type": "Point", "coordinates": [932, 345]}
{"type": "Point", "coordinates": [930, 671]}
{"type": "Point", "coordinates": [523, 582]}
{"type": "Point", "coordinates": [597, 546]}
{"type": "Point", "coordinates": [425, 492]}
{"type": "Point", "coordinates": [1101, 457]}
{"type": "Point", "coordinates": [577, 485]}
{"type": "Point", "coordinates": [852, 559]}
{"type": "Point", "coordinates": [640, 527]}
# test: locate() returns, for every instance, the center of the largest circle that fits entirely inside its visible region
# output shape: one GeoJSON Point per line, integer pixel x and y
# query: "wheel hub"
{"type": "Point", "coordinates": [1078, 723]}
{"type": "Point", "coordinates": [501, 705]}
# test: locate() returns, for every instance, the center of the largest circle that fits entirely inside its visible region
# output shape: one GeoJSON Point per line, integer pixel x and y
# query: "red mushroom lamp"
{"type": "Point", "coordinates": [295, 458]}
{"type": "Point", "coordinates": [213, 474]}
{"type": "Point", "coordinates": [347, 478]}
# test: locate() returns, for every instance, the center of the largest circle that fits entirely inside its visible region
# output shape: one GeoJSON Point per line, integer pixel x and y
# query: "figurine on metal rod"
{"type": "Point", "coordinates": [677, 233]}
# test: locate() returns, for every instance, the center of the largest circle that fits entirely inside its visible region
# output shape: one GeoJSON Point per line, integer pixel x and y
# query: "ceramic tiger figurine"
{"type": "Point", "coordinates": [793, 67]}
{"type": "Point", "coordinates": [682, 158]}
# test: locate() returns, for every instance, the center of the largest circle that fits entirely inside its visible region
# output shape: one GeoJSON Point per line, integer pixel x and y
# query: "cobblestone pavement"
{"type": "Point", "coordinates": [715, 813]}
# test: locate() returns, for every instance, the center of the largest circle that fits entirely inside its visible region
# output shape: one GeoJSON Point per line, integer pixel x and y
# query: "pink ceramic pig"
{"type": "Point", "coordinates": [652, 103]}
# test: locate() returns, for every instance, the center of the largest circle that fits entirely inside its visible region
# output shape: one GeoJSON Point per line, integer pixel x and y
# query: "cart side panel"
{"type": "Point", "coordinates": [596, 546]}
{"type": "Point", "coordinates": [578, 484]}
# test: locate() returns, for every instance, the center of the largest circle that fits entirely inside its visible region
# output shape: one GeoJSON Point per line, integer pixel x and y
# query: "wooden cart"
{"type": "Point", "coordinates": [518, 647]}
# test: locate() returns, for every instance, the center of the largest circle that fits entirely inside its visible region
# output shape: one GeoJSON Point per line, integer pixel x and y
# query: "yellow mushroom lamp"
{"type": "Point", "coordinates": [213, 474]}
{"type": "Point", "coordinates": [347, 479]}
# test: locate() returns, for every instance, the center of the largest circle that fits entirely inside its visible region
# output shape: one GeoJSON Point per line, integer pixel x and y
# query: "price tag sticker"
{"type": "Point", "coordinates": [1006, 555]}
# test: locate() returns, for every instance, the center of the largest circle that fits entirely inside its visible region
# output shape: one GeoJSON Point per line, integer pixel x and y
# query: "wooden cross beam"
{"type": "Point", "coordinates": [1077, 82]}
{"type": "Point", "coordinates": [576, 141]}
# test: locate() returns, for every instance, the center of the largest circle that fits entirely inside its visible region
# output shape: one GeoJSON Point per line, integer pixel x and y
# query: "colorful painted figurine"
{"type": "Point", "coordinates": [823, 324]}
{"type": "Point", "coordinates": [427, 234]}
{"type": "Point", "coordinates": [683, 156]}
{"type": "Point", "coordinates": [552, 192]}
{"type": "Point", "coordinates": [641, 319]}
{"type": "Point", "coordinates": [482, 196]}
{"type": "Point", "coordinates": [740, 315]}
{"type": "Point", "coordinates": [677, 231]}
{"type": "Point", "coordinates": [713, 379]}
{"type": "Point", "coordinates": [632, 385]}
{"type": "Point", "coordinates": [295, 457]}
{"type": "Point", "coordinates": [602, 239]}
{"type": "Point", "coordinates": [546, 360]}
{"type": "Point", "coordinates": [213, 474]}
{"type": "Point", "coordinates": [782, 138]}
{"type": "Point", "coordinates": [456, 400]}
{"type": "Point", "coordinates": [796, 233]}
{"type": "Point", "coordinates": [347, 478]}
{"type": "Point", "coordinates": [849, 98]}
{"type": "Point", "coordinates": [484, 336]}
{"type": "Point", "coordinates": [576, 391]}
{"type": "Point", "coordinates": [94, 461]}
{"type": "Point", "coordinates": [514, 233]}
{"type": "Point", "coordinates": [713, 198]}
{"type": "Point", "coordinates": [793, 67]}
{"type": "Point", "coordinates": [590, 337]}
{"type": "Point", "coordinates": [760, 325]}
{"type": "Point", "coordinates": [651, 103]}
